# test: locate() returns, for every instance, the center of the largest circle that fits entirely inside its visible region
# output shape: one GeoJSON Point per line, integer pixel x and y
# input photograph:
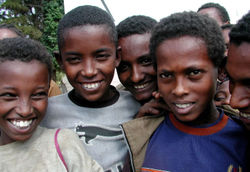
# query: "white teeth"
{"type": "Point", "coordinates": [91, 86]}
{"type": "Point", "coordinates": [183, 105]}
{"type": "Point", "coordinates": [140, 86]}
{"type": "Point", "coordinates": [21, 124]}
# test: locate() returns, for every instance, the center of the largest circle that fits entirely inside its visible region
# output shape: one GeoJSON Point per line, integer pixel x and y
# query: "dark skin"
{"type": "Point", "coordinates": [89, 60]}
{"type": "Point", "coordinates": [187, 80]}
{"type": "Point", "coordinates": [239, 72]}
{"type": "Point", "coordinates": [137, 74]}
{"type": "Point", "coordinates": [23, 99]}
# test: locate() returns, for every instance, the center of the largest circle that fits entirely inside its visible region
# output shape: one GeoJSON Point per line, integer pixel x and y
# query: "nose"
{"type": "Point", "coordinates": [180, 88]}
{"type": "Point", "coordinates": [239, 99]}
{"type": "Point", "coordinates": [136, 75]}
{"type": "Point", "coordinates": [89, 68]}
{"type": "Point", "coordinates": [24, 108]}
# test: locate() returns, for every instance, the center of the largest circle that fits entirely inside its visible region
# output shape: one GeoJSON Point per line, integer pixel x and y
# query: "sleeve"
{"type": "Point", "coordinates": [74, 154]}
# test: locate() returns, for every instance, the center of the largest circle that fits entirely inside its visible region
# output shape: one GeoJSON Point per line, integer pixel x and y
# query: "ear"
{"type": "Point", "coordinates": [58, 57]}
{"type": "Point", "coordinates": [118, 56]}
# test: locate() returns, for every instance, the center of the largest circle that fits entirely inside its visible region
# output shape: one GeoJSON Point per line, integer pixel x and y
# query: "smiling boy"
{"type": "Point", "coordinates": [25, 72]}
{"type": "Point", "coordinates": [187, 49]}
{"type": "Point", "coordinates": [94, 109]}
{"type": "Point", "coordinates": [238, 68]}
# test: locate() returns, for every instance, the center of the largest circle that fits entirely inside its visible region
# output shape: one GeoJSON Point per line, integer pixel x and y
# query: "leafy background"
{"type": "Point", "coordinates": [37, 19]}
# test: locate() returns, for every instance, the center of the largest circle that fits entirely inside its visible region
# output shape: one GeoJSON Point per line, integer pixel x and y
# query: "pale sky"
{"type": "Point", "coordinates": [121, 9]}
{"type": "Point", "coordinates": [157, 9]}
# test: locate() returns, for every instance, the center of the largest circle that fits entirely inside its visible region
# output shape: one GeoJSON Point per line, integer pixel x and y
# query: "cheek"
{"type": "Point", "coordinates": [163, 90]}
{"type": "Point", "coordinates": [124, 76]}
{"type": "Point", "coordinates": [6, 107]}
{"type": "Point", "coordinates": [150, 71]}
{"type": "Point", "coordinates": [71, 71]}
{"type": "Point", "coordinates": [41, 107]}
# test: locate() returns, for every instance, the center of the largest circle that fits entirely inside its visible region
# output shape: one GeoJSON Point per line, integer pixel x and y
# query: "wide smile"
{"type": "Point", "coordinates": [183, 108]}
{"type": "Point", "coordinates": [91, 86]}
{"type": "Point", "coordinates": [22, 125]}
{"type": "Point", "coordinates": [141, 86]}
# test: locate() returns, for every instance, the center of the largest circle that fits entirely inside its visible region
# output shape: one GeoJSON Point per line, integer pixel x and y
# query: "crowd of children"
{"type": "Point", "coordinates": [172, 114]}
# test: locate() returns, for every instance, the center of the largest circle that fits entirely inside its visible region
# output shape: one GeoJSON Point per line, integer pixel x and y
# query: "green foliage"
{"type": "Point", "coordinates": [37, 19]}
{"type": "Point", "coordinates": [53, 12]}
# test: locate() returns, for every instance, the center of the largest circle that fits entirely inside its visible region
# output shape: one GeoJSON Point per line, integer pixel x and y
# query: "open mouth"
{"type": "Point", "coordinates": [183, 105]}
{"type": "Point", "coordinates": [21, 124]}
{"type": "Point", "coordinates": [91, 86]}
{"type": "Point", "coordinates": [141, 86]}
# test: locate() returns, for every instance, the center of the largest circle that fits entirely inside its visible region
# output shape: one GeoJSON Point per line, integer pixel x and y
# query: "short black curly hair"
{"type": "Point", "coordinates": [137, 24]}
{"type": "Point", "coordinates": [222, 11]}
{"type": "Point", "coordinates": [12, 28]}
{"type": "Point", "coordinates": [25, 50]}
{"type": "Point", "coordinates": [190, 24]}
{"type": "Point", "coordinates": [85, 15]}
{"type": "Point", "coordinates": [241, 31]}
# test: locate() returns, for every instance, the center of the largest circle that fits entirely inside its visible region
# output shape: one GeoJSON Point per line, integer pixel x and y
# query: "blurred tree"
{"type": "Point", "coordinates": [53, 12]}
{"type": "Point", "coordinates": [37, 19]}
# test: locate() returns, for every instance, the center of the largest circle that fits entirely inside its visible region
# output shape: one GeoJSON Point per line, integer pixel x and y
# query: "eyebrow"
{"type": "Point", "coordinates": [102, 50]}
{"type": "Point", "coordinates": [73, 53]}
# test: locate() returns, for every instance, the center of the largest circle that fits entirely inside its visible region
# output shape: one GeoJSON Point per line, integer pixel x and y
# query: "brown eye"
{"type": "Point", "coordinates": [122, 67]}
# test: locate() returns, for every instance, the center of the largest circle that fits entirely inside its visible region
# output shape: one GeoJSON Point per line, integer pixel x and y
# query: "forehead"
{"type": "Point", "coordinates": [6, 33]}
{"type": "Point", "coordinates": [238, 62]}
{"type": "Point", "coordinates": [213, 13]}
{"type": "Point", "coordinates": [182, 52]}
{"type": "Point", "coordinates": [135, 45]}
{"type": "Point", "coordinates": [86, 35]}
{"type": "Point", "coordinates": [10, 69]}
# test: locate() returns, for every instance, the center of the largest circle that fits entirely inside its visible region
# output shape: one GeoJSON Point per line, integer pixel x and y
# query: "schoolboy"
{"type": "Point", "coordinates": [187, 49]}
{"type": "Point", "coordinates": [238, 68]}
{"type": "Point", "coordinates": [136, 71]}
{"type": "Point", "coordinates": [25, 71]}
{"type": "Point", "coordinates": [10, 31]}
{"type": "Point", "coordinates": [94, 109]}
{"type": "Point", "coordinates": [215, 11]}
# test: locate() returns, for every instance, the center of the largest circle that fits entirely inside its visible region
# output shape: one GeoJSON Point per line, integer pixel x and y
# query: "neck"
{"type": "Point", "coordinates": [208, 116]}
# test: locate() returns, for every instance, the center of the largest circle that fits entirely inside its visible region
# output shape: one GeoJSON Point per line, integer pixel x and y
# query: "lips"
{"type": "Point", "coordinates": [141, 86]}
{"type": "Point", "coordinates": [91, 86]}
{"type": "Point", "coordinates": [22, 126]}
{"type": "Point", "coordinates": [182, 108]}
{"type": "Point", "coordinates": [21, 123]}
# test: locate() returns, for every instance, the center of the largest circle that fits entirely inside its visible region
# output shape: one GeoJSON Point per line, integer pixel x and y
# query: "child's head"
{"type": "Point", "coordinates": [136, 70]}
{"type": "Point", "coordinates": [187, 49]}
{"type": "Point", "coordinates": [215, 11]}
{"type": "Point", "coordinates": [9, 31]}
{"type": "Point", "coordinates": [238, 67]}
{"type": "Point", "coordinates": [25, 71]}
{"type": "Point", "coordinates": [87, 44]}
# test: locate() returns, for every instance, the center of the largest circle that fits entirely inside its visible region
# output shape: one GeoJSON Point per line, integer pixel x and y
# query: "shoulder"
{"type": "Point", "coordinates": [128, 97]}
{"type": "Point", "coordinates": [58, 98]}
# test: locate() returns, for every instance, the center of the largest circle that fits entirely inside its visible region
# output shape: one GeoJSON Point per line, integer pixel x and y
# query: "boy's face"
{"type": "Point", "coordinates": [136, 70]}
{"type": "Point", "coordinates": [238, 68]}
{"type": "Point", "coordinates": [222, 96]}
{"type": "Point", "coordinates": [23, 98]}
{"type": "Point", "coordinates": [89, 60]}
{"type": "Point", "coordinates": [186, 77]}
